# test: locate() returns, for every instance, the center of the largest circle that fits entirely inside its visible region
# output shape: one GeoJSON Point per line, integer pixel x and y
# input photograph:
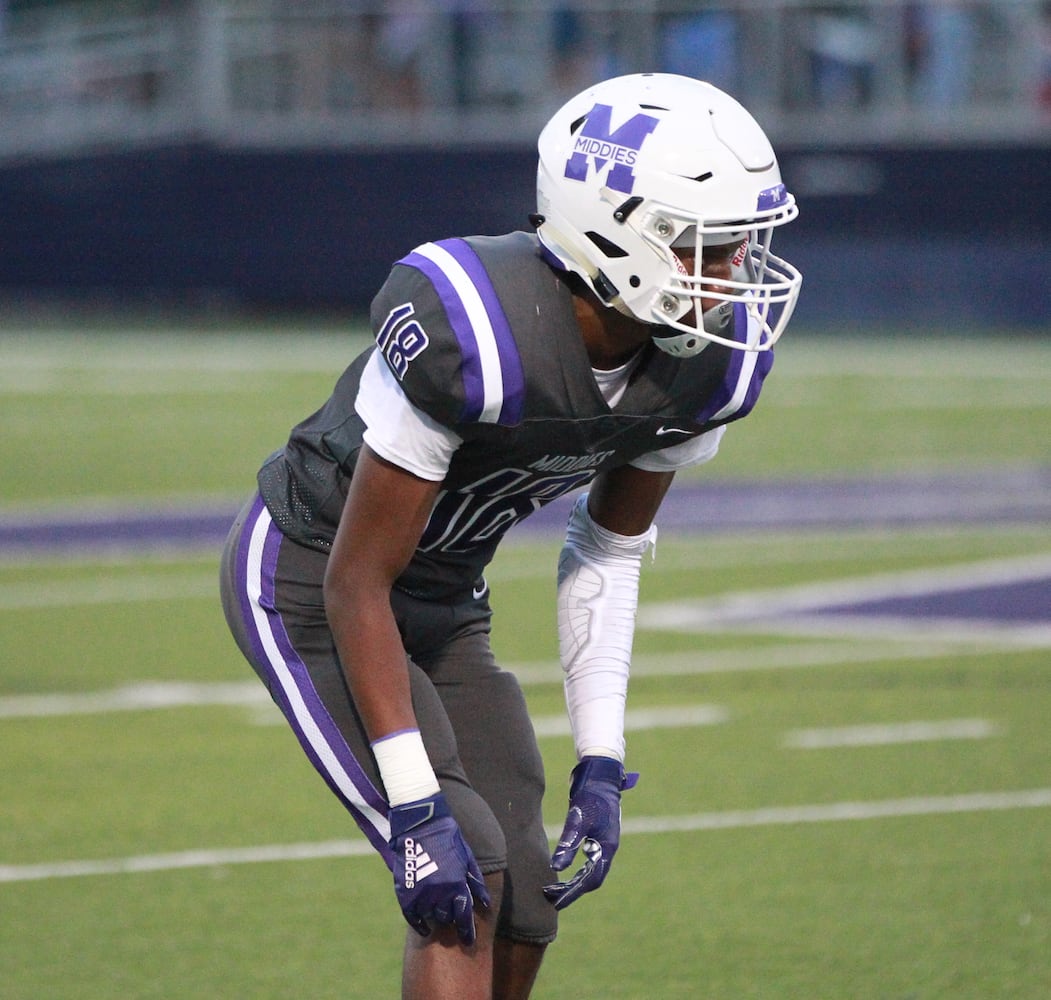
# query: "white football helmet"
{"type": "Point", "coordinates": [641, 164]}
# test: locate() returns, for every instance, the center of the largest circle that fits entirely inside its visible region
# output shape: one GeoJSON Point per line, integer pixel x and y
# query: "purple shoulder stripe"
{"type": "Point", "coordinates": [491, 367]}
{"type": "Point", "coordinates": [743, 380]}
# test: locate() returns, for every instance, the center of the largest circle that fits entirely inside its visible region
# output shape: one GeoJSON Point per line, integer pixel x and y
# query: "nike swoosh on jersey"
{"type": "Point", "coordinates": [673, 430]}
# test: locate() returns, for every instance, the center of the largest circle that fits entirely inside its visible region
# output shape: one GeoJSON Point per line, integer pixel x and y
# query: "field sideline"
{"type": "Point", "coordinates": [839, 697]}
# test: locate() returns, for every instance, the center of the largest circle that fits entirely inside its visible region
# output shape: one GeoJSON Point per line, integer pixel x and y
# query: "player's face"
{"type": "Point", "coordinates": [716, 265]}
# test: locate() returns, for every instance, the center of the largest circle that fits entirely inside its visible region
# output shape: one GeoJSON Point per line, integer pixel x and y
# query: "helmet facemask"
{"type": "Point", "coordinates": [765, 285]}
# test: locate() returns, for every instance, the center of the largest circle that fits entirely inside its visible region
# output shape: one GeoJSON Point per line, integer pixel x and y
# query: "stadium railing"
{"type": "Point", "coordinates": [261, 73]}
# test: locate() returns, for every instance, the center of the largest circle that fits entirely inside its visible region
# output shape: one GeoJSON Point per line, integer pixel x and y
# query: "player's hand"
{"type": "Point", "coordinates": [592, 825]}
{"type": "Point", "coordinates": [436, 876]}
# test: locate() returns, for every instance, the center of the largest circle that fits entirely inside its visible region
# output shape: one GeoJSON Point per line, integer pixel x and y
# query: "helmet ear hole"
{"type": "Point", "coordinates": [634, 281]}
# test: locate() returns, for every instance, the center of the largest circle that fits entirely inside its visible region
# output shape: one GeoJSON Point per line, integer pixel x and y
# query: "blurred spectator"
{"type": "Point", "coordinates": [702, 45]}
{"type": "Point", "coordinates": [428, 54]}
{"type": "Point", "coordinates": [578, 53]}
{"type": "Point", "coordinates": [513, 56]}
{"type": "Point", "coordinates": [460, 53]}
{"type": "Point", "coordinates": [842, 47]}
{"type": "Point", "coordinates": [942, 38]}
{"type": "Point", "coordinates": [400, 38]}
{"type": "Point", "coordinates": [1043, 87]}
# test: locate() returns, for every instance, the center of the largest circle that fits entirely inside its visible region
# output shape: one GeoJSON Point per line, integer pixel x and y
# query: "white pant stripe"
{"type": "Point", "coordinates": [303, 718]}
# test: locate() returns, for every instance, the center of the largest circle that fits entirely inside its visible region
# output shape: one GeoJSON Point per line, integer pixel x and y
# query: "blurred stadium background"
{"type": "Point", "coordinates": [247, 155]}
{"type": "Point", "coordinates": [197, 201]}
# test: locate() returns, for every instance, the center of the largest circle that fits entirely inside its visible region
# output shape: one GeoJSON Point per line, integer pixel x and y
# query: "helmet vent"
{"type": "Point", "coordinates": [652, 107]}
{"type": "Point", "coordinates": [608, 247]}
{"type": "Point", "coordinates": [575, 126]}
{"type": "Point", "coordinates": [701, 178]}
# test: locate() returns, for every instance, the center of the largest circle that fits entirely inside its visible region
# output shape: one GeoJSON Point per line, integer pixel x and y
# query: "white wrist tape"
{"type": "Point", "coordinates": [405, 767]}
{"type": "Point", "coordinates": [598, 592]}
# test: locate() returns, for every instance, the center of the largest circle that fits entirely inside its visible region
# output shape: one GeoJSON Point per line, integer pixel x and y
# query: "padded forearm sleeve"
{"type": "Point", "coordinates": [598, 591]}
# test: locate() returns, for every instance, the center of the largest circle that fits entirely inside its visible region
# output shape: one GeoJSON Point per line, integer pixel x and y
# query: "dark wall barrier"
{"type": "Point", "coordinates": [937, 236]}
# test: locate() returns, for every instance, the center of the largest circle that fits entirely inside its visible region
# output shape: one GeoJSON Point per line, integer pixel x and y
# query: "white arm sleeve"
{"type": "Point", "coordinates": [398, 431]}
{"type": "Point", "coordinates": [598, 592]}
{"type": "Point", "coordinates": [695, 451]}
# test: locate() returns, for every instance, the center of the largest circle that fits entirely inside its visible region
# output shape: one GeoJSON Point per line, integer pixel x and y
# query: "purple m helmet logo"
{"type": "Point", "coordinates": [599, 142]}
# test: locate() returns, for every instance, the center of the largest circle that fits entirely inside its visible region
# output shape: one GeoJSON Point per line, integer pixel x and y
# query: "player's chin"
{"type": "Point", "coordinates": [707, 305]}
{"type": "Point", "coordinates": [717, 317]}
{"type": "Point", "coordinates": [705, 311]}
{"type": "Point", "coordinates": [691, 317]}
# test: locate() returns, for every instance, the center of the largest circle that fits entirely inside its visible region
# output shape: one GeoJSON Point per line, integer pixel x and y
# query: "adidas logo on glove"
{"type": "Point", "coordinates": [418, 863]}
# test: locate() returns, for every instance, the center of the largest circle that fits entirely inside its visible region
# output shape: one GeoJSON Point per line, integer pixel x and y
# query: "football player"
{"type": "Point", "coordinates": [607, 348]}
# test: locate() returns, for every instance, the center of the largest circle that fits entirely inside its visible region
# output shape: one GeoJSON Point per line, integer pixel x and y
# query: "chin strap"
{"type": "Point", "coordinates": [717, 321]}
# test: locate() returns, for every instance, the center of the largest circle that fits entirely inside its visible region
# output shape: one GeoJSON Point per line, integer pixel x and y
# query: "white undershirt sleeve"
{"type": "Point", "coordinates": [598, 591]}
{"type": "Point", "coordinates": [398, 431]}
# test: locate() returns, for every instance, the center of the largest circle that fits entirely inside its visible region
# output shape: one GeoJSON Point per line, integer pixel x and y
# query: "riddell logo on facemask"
{"type": "Point", "coordinates": [601, 144]}
{"type": "Point", "coordinates": [418, 863]}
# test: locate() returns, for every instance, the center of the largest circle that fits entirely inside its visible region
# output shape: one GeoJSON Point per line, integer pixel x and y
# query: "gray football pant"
{"type": "Point", "coordinates": [472, 714]}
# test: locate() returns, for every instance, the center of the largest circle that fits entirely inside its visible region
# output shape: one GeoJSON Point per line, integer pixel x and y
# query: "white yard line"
{"type": "Point", "coordinates": [639, 719]}
{"type": "Point", "coordinates": [852, 590]}
{"type": "Point", "coordinates": [153, 695]}
{"type": "Point", "coordinates": [41, 354]}
{"type": "Point", "coordinates": [135, 698]}
{"type": "Point", "coordinates": [927, 805]}
{"type": "Point", "coordinates": [185, 859]}
{"type": "Point", "coordinates": [251, 694]}
{"type": "Point", "coordinates": [832, 812]}
{"type": "Point", "coordinates": [886, 734]}
{"type": "Point", "coordinates": [795, 610]}
{"type": "Point", "coordinates": [128, 588]}
{"type": "Point", "coordinates": [787, 656]}
{"type": "Point", "coordinates": [907, 628]}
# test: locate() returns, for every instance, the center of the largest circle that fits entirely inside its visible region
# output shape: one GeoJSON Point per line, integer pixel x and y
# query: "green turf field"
{"type": "Point", "coordinates": [851, 813]}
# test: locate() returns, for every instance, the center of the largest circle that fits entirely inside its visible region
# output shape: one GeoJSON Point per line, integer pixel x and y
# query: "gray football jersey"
{"type": "Point", "coordinates": [481, 335]}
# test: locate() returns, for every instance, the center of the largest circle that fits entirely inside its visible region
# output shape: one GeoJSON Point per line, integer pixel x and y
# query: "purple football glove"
{"type": "Point", "coordinates": [592, 825]}
{"type": "Point", "coordinates": [435, 874]}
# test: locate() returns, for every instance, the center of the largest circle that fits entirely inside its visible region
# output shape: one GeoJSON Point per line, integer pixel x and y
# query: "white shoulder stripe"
{"type": "Point", "coordinates": [480, 324]}
{"type": "Point", "coordinates": [744, 381]}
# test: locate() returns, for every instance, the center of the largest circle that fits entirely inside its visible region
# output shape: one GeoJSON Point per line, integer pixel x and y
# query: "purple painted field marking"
{"type": "Point", "coordinates": [999, 496]}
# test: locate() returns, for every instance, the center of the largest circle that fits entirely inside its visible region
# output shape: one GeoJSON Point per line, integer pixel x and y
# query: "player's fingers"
{"type": "Point", "coordinates": [567, 847]}
{"type": "Point", "coordinates": [476, 884]}
{"type": "Point", "coordinates": [564, 893]}
{"type": "Point", "coordinates": [463, 917]}
{"type": "Point", "coordinates": [417, 923]}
